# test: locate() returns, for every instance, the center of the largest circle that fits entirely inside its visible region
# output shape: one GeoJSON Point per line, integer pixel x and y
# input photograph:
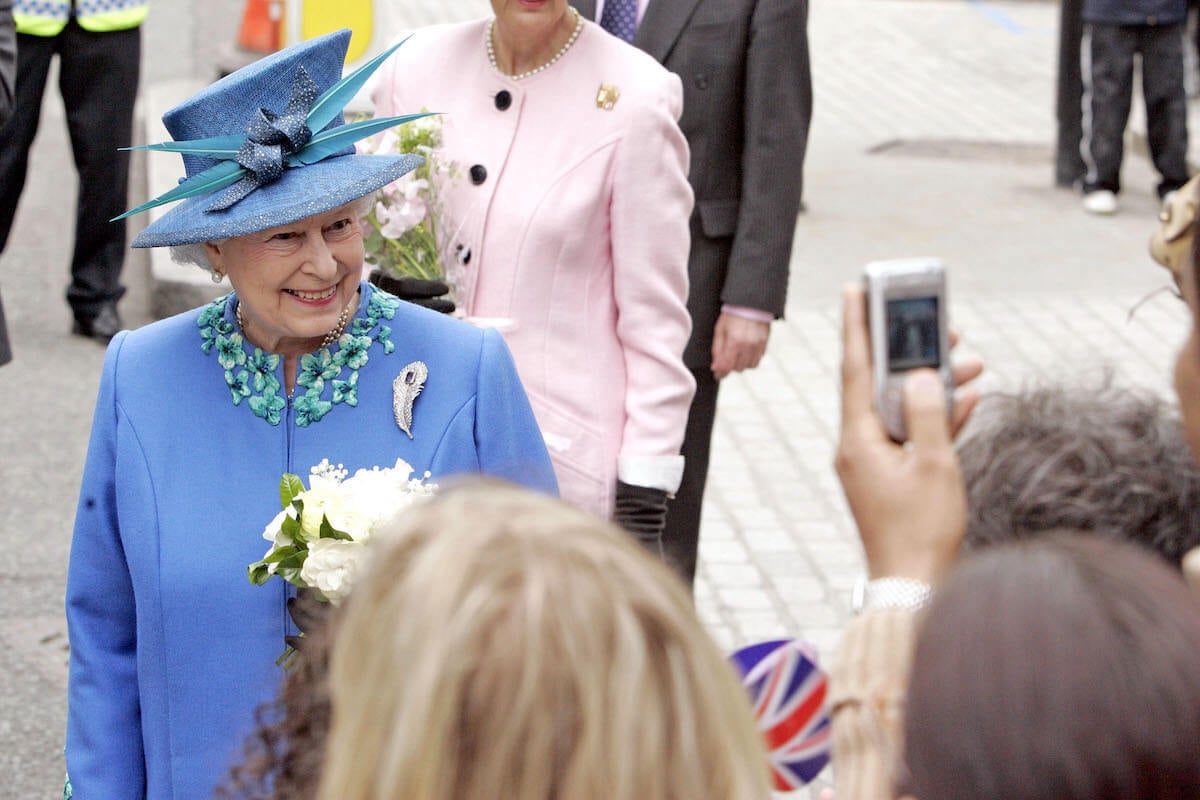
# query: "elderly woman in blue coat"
{"type": "Point", "coordinates": [172, 648]}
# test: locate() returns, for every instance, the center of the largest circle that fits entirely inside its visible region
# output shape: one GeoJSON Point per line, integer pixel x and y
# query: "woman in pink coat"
{"type": "Point", "coordinates": [570, 214]}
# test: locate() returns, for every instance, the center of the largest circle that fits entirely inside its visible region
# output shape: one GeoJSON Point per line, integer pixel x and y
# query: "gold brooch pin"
{"type": "Point", "coordinates": [607, 96]}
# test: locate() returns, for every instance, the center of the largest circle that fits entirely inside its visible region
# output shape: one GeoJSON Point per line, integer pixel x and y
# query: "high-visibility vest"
{"type": "Point", "coordinates": [49, 17]}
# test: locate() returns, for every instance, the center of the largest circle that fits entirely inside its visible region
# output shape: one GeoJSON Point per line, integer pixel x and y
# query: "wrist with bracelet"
{"type": "Point", "coordinates": [890, 594]}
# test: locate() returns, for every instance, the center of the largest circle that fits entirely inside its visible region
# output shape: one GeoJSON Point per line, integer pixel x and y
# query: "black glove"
{"type": "Point", "coordinates": [643, 512]}
{"type": "Point", "coordinates": [308, 613]}
{"type": "Point", "coordinates": [430, 294]}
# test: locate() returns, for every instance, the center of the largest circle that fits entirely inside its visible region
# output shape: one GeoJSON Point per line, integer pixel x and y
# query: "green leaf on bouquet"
{"type": "Point", "coordinates": [292, 576]}
{"type": "Point", "coordinates": [292, 557]}
{"type": "Point", "coordinates": [290, 487]}
{"type": "Point", "coordinates": [259, 573]}
{"type": "Point", "coordinates": [330, 532]}
{"type": "Point", "coordinates": [291, 564]}
{"type": "Point", "coordinates": [291, 528]}
{"type": "Point", "coordinates": [282, 554]}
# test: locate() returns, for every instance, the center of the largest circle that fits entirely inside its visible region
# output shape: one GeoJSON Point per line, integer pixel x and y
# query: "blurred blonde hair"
{"type": "Point", "coordinates": [505, 645]}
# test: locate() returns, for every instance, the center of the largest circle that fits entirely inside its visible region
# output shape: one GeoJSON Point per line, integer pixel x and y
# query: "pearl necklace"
{"type": "Point", "coordinates": [330, 337]}
{"type": "Point", "coordinates": [491, 49]}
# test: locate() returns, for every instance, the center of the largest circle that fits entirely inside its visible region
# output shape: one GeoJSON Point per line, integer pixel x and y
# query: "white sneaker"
{"type": "Point", "coordinates": [1101, 201]}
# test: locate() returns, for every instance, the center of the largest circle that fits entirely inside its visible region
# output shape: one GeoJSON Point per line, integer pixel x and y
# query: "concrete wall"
{"type": "Point", "coordinates": [184, 38]}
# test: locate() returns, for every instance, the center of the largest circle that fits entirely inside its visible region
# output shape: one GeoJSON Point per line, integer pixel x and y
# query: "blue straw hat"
{"type": "Point", "coordinates": [268, 145]}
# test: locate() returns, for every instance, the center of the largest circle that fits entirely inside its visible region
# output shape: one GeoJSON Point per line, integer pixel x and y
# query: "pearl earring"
{"type": "Point", "coordinates": [216, 277]}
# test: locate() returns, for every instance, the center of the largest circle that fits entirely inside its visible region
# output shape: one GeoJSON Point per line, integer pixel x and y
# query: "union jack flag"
{"type": "Point", "coordinates": [788, 692]}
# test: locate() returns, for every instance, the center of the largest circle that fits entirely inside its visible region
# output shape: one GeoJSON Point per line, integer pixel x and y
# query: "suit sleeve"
{"type": "Point", "coordinates": [104, 729]}
{"type": "Point", "coordinates": [508, 440]}
{"type": "Point", "coordinates": [650, 206]}
{"type": "Point", "coordinates": [8, 60]}
{"type": "Point", "coordinates": [777, 110]}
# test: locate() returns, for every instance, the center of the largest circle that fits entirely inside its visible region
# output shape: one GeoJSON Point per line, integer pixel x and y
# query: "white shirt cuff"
{"type": "Point", "coordinates": [745, 312]}
{"type": "Point", "coordinates": [656, 472]}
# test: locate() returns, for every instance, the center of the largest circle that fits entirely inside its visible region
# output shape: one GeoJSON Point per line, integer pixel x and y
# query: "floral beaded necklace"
{"type": "Point", "coordinates": [329, 378]}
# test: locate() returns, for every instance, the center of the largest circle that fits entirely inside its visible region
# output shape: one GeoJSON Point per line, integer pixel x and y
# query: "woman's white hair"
{"type": "Point", "coordinates": [191, 255]}
{"type": "Point", "coordinates": [194, 254]}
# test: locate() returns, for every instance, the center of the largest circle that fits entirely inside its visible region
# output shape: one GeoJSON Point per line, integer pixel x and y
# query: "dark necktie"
{"type": "Point", "coordinates": [620, 18]}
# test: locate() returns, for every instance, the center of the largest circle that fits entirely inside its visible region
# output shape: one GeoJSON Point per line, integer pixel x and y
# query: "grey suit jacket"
{"type": "Point", "coordinates": [747, 102]}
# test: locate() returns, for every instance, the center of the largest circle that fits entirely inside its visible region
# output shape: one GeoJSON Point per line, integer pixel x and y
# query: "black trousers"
{"type": "Point", "coordinates": [1106, 61]}
{"type": "Point", "coordinates": [5, 348]}
{"type": "Point", "coordinates": [681, 536]}
{"type": "Point", "coordinates": [98, 79]}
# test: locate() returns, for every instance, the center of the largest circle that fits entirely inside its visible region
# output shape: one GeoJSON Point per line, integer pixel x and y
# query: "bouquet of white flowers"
{"type": "Point", "coordinates": [318, 539]}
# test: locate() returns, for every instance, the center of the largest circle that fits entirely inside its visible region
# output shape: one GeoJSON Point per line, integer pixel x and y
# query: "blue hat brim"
{"type": "Point", "coordinates": [298, 194]}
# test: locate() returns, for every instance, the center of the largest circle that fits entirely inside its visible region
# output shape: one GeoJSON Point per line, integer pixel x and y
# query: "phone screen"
{"type": "Point", "coordinates": [913, 334]}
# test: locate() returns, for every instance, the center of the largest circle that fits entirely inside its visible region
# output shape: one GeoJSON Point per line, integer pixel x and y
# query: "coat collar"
{"type": "Point", "coordinates": [660, 28]}
{"type": "Point", "coordinates": [587, 8]}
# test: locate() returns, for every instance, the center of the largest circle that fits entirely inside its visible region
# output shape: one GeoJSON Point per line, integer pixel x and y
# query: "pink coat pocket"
{"type": "Point", "coordinates": [584, 463]}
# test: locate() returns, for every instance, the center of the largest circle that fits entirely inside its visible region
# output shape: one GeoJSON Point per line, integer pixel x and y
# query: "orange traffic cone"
{"type": "Point", "coordinates": [262, 26]}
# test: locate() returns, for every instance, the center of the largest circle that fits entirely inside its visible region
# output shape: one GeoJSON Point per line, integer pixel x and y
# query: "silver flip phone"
{"type": "Point", "coordinates": [907, 314]}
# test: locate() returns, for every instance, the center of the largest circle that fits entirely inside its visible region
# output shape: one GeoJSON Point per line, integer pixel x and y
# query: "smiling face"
{"type": "Point", "coordinates": [294, 280]}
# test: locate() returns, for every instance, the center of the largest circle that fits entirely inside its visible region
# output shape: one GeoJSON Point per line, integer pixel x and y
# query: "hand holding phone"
{"type": "Point", "coordinates": [907, 317]}
{"type": "Point", "coordinates": [908, 502]}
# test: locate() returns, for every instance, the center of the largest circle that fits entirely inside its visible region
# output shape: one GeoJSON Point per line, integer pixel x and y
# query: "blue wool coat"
{"type": "Point", "coordinates": [172, 648]}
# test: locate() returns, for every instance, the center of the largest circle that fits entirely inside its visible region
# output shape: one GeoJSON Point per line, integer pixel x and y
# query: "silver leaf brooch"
{"type": "Point", "coordinates": [405, 388]}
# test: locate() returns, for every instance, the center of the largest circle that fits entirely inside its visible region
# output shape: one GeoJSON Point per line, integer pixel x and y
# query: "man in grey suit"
{"type": "Point", "coordinates": [747, 102]}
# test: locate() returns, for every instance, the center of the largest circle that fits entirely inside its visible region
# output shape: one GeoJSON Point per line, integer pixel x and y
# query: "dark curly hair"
{"type": "Point", "coordinates": [1105, 459]}
{"type": "Point", "coordinates": [283, 756]}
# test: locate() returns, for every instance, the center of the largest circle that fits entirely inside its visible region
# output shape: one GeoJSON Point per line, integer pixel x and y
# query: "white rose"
{"type": "Point", "coordinates": [323, 499]}
{"type": "Point", "coordinates": [380, 494]}
{"type": "Point", "coordinates": [332, 567]}
{"type": "Point", "coordinates": [274, 534]}
{"type": "Point", "coordinates": [374, 488]}
{"type": "Point", "coordinates": [348, 518]}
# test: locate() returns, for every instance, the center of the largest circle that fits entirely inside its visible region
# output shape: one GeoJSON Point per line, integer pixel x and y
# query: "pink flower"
{"type": "Point", "coordinates": [398, 219]}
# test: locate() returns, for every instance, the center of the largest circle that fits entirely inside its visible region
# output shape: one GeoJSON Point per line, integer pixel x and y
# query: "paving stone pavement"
{"type": "Point", "coordinates": [1040, 290]}
{"type": "Point", "coordinates": [932, 134]}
